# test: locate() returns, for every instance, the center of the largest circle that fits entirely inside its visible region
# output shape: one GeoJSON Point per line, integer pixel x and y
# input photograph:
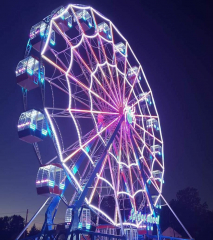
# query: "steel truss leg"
{"type": "Point", "coordinates": [48, 215]}
{"type": "Point", "coordinates": [35, 215]}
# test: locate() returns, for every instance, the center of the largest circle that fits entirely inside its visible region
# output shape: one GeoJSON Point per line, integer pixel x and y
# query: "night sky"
{"type": "Point", "coordinates": [173, 41]}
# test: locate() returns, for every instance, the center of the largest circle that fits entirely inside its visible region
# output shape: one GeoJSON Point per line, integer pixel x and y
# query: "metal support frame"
{"type": "Point", "coordinates": [76, 235]}
{"type": "Point", "coordinates": [75, 216]}
{"type": "Point", "coordinates": [144, 179]}
{"type": "Point", "coordinates": [34, 216]}
{"type": "Point", "coordinates": [48, 223]}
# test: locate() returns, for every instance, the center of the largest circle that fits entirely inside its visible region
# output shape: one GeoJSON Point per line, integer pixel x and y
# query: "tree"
{"type": "Point", "coordinates": [194, 215]}
{"type": "Point", "coordinates": [10, 227]}
{"type": "Point", "coordinates": [33, 231]}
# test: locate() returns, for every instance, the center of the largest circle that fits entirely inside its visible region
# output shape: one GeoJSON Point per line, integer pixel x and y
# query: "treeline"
{"type": "Point", "coordinates": [10, 227]}
{"type": "Point", "coordinates": [195, 215]}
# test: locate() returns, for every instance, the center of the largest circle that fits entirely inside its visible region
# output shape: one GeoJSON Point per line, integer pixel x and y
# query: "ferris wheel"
{"type": "Point", "coordinates": [93, 101]}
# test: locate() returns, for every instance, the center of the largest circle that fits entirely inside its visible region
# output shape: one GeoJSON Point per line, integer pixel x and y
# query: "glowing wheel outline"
{"type": "Point", "coordinates": [106, 94]}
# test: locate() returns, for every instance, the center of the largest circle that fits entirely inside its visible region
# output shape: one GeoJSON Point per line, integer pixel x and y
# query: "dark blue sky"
{"type": "Point", "coordinates": [172, 40]}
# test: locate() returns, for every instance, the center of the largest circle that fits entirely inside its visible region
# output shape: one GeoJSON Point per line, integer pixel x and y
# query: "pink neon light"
{"type": "Point", "coordinates": [91, 111]}
{"type": "Point", "coordinates": [23, 124]}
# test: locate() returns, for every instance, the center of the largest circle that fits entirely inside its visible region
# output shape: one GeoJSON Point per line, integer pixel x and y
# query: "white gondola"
{"type": "Point", "coordinates": [85, 218]}
{"type": "Point", "coordinates": [38, 36]}
{"type": "Point", "coordinates": [131, 233]}
{"type": "Point", "coordinates": [64, 21]}
{"type": "Point", "coordinates": [27, 73]}
{"type": "Point", "coordinates": [120, 50]}
{"type": "Point", "coordinates": [145, 97]}
{"type": "Point", "coordinates": [32, 126]}
{"type": "Point", "coordinates": [134, 74]}
{"type": "Point", "coordinates": [156, 150]}
{"type": "Point", "coordinates": [84, 16]}
{"type": "Point", "coordinates": [50, 180]}
{"type": "Point", "coordinates": [152, 123]}
{"type": "Point", "coordinates": [104, 30]}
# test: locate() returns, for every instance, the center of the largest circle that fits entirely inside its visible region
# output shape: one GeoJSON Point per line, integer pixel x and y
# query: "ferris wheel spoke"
{"type": "Point", "coordinates": [146, 116]}
{"type": "Point", "coordinates": [80, 83]}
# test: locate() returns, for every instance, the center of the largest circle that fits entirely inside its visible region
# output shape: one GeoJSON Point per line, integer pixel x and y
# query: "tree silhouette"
{"type": "Point", "coordinates": [194, 215]}
{"type": "Point", "coordinates": [33, 231]}
{"type": "Point", "coordinates": [10, 227]}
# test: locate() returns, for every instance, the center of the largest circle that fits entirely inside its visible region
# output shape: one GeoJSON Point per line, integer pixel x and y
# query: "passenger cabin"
{"type": "Point", "coordinates": [32, 126]}
{"type": "Point", "coordinates": [106, 229]}
{"type": "Point", "coordinates": [50, 180]}
{"type": "Point", "coordinates": [84, 18]}
{"type": "Point", "coordinates": [156, 201]}
{"type": "Point", "coordinates": [120, 50]}
{"type": "Point", "coordinates": [157, 175]}
{"type": "Point", "coordinates": [145, 97]}
{"type": "Point", "coordinates": [27, 73]}
{"type": "Point", "coordinates": [85, 218]}
{"type": "Point", "coordinates": [104, 30]}
{"type": "Point", "coordinates": [68, 217]}
{"type": "Point", "coordinates": [64, 20]}
{"type": "Point", "coordinates": [131, 233]}
{"type": "Point", "coordinates": [152, 123]}
{"type": "Point", "coordinates": [134, 74]}
{"type": "Point", "coordinates": [156, 150]}
{"type": "Point", "coordinates": [39, 34]}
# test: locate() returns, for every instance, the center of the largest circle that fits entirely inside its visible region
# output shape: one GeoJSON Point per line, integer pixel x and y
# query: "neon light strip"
{"type": "Point", "coordinates": [66, 159]}
{"type": "Point", "coordinates": [80, 83]}
{"type": "Point", "coordinates": [122, 163]}
{"type": "Point", "coordinates": [131, 196]}
{"type": "Point", "coordinates": [146, 116]}
{"type": "Point", "coordinates": [91, 111]}
{"type": "Point", "coordinates": [103, 179]}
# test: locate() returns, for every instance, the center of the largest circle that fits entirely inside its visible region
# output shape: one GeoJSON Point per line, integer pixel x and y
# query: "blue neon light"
{"type": "Point", "coordinates": [52, 42]}
{"type": "Point", "coordinates": [51, 183]}
{"type": "Point", "coordinates": [30, 71]}
{"type": "Point", "coordinates": [62, 186]}
{"type": "Point", "coordinates": [69, 25]}
{"type": "Point", "coordinates": [44, 132]}
{"type": "Point", "coordinates": [33, 126]}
